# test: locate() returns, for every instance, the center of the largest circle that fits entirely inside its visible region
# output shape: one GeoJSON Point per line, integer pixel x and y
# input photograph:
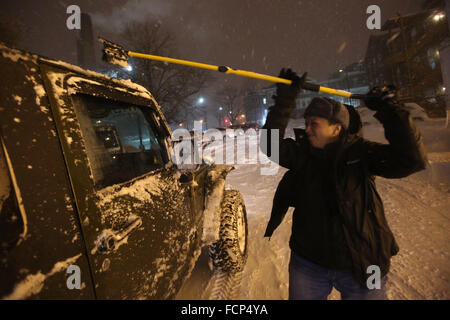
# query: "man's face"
{"type": "Point", "coordinates": [320, 132]}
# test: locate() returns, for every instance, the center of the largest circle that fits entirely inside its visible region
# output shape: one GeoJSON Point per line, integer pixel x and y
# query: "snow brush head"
{"type": "Point", "coordinates": [114, 53]}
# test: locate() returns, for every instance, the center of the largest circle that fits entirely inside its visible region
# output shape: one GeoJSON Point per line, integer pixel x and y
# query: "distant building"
{"type": "Point", "coordinates": [352, 78]}
{"type": "Point", "coordinates": [406, 53]}
{"type": "Point", "coordinates": [433, 4]}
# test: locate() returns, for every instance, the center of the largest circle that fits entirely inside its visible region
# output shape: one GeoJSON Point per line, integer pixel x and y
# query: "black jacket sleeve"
{"type": "Point", "coordinates": [405, 154]}
{"type": "Point", "coordinates": [290, 151]}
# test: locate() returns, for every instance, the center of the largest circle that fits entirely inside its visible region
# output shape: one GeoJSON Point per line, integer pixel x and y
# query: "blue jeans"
{"type": "Point", "coordinates": [309, 281]}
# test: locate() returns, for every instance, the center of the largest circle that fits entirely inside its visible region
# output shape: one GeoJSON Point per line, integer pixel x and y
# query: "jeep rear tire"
{"type": "Point", "coordinates": [229, 253]}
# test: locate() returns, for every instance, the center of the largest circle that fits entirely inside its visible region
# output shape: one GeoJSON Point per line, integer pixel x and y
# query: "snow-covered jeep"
{"type": "Point", "coordinates": [91, 204]}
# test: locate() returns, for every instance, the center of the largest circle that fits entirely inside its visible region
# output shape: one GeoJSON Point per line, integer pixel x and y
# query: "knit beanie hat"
{"type": "Point", "coordinates": [328, 109]}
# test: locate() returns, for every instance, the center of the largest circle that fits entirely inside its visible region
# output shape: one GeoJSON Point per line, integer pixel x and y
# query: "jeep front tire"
{"type": "Point", "coordinates": [229, 253]}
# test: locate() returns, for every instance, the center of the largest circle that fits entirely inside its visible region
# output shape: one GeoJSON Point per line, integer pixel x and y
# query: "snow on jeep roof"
{"type": "Point", "coordinates": [136, 89]}
{"type": "Point", "coordinates": [15, 54]}
{"type": "Point", "coordinates": [124, 83]}
{"type": "Point", "coordinates": [131, 87]}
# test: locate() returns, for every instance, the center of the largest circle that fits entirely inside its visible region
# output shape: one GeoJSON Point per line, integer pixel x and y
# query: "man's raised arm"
{"type": "Point", "coordinates": [278, 118]}
{"type": "Point", "coordinates": [405, 154]}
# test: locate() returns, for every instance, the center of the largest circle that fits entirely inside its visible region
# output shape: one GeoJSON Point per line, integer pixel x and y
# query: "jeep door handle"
{"type": "Point", "coordinates": [109, 239]}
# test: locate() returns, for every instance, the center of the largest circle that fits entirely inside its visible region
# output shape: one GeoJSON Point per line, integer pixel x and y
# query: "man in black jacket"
{"type": "Point", "coordinates": [340, 236]}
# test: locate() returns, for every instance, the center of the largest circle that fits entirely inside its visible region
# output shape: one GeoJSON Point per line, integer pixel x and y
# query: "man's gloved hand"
{"type": "Point", "coordinates": [287, 94]}
{"type": "Point", "coordinates": [380, 97]}
{"type": "Point", "coordinates": [285, 103]}
{"type": "Point", "coordinates": [290, 91]}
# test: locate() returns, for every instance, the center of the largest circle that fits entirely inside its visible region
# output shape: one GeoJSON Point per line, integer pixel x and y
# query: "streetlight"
{"type": "Point", "coordinates": [201, 100]}
{"type": "Point", "coordinates": [438, 16]}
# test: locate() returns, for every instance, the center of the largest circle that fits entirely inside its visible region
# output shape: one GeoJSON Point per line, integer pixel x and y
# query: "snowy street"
{"type": "Point", "coordinates": [417, 209]}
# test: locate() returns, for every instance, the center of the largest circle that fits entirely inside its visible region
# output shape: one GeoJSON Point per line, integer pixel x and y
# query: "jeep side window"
{"type": "Point", "coordinates": [121, 139]}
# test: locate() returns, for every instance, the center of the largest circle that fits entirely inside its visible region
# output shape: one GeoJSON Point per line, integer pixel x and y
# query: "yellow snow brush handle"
{"type": "Point", "coordinates": [249, 74]}
{"type": "Point", "coordinates": [341, 93]}
{"type": "Point", "coordinates": [116, 54]}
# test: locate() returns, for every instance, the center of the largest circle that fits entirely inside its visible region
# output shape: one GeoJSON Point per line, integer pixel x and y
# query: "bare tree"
{"type": "Point", "coordinates": [173, 86]}
{"type": "Point", "coordinates": [233, 106]}
{"type": "Point", "coordinates": [251, 85]}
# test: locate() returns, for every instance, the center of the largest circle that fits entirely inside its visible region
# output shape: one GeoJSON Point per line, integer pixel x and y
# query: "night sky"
{"type": "Point", "coordinates": [256, 35]}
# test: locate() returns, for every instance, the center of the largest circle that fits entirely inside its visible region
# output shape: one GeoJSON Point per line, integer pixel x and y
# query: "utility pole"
{"type": "Point", "coordinates": [85, 43]}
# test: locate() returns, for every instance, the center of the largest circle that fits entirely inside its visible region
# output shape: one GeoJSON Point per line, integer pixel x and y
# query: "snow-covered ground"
{"type": "Point", "coordinates": [417, 209]}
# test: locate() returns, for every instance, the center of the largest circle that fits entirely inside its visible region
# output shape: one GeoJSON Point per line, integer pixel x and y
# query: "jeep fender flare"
{"type": "Point", "coordinates": [215, 187]}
